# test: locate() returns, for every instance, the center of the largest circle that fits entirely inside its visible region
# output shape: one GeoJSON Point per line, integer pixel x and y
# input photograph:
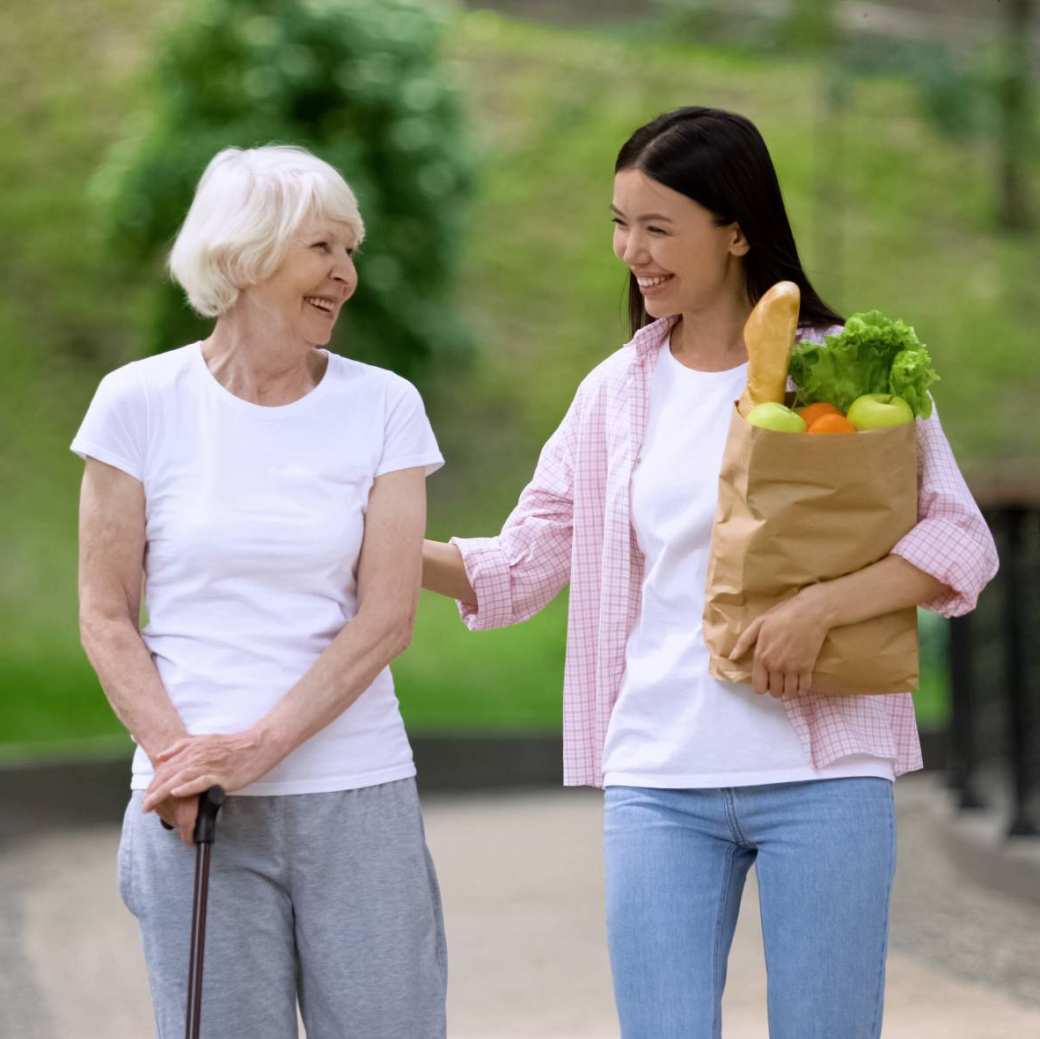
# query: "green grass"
{"type": "Point", "coordinates": [540, 288]}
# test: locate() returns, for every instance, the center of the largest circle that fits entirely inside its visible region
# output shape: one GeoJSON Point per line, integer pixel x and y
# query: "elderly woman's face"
{"type": "Point", "coordinates": [313, 282]}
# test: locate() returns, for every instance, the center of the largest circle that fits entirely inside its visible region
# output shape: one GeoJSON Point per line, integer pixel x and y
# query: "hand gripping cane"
{"type": "Point", "coordinates": [205, 829]}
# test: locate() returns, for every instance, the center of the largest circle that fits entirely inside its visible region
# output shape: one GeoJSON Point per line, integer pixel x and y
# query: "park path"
{"type": "Point", "coordinates": [522, 886]}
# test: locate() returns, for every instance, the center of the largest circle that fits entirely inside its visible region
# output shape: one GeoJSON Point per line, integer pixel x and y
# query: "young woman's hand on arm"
{"type": "Point", "coordinates": [388, 591]}
{"type": "Point", "coordinates": [111, 571]}
{"type": "Point", "coordinates": [444, 572]}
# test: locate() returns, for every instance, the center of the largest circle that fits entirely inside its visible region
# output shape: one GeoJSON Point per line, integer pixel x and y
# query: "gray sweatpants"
{"type": "Point", "coordinates": [326, 899]}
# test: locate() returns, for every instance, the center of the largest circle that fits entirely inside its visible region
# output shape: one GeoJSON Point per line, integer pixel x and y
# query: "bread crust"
{"type": "Point", "coordinates": [769, 337]}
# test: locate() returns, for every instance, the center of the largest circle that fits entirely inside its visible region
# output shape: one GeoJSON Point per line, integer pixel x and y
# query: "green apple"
{"type": "Point", "coordinates": [878, 410]}
{"type": "Point", "coordinates": [776, 417]}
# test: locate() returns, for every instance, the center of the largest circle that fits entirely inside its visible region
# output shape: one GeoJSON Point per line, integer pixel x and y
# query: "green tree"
{"type": "Point", "coordinates": [362, 86]}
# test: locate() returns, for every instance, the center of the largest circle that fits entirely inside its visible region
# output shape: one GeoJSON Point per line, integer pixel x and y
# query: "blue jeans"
{"type": "Point", "coordinates": [824, 854]}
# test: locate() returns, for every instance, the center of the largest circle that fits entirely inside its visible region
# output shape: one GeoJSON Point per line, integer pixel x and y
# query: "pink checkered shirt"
{"type": "Point", "coordinates": [573, 523]}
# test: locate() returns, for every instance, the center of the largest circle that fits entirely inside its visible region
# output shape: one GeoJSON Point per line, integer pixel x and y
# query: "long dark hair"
{"type": "Point", "coordinates": [719, 160]}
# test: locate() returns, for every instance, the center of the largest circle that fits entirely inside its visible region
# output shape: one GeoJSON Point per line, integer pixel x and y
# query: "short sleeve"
{"type": "Point", "coordinates": [114, 429]}
{"type": "Point", "coordinates": [408, 440]}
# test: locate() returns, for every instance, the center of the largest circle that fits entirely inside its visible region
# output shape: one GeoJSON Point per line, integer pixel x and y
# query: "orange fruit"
{"type": "Point", "coordinates": [811, 412]}
{"type": "Point", "coordinates": [831, 423]}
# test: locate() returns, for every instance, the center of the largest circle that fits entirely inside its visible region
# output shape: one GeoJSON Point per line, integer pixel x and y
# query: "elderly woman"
{"type": "Point", "coordinates": [271, 494]}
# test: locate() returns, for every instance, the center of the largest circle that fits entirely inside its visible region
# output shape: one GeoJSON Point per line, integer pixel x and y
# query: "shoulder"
{"type": "Point", "coordinates": [615, 370]}
{"type": "Point", "coordinates": [149, 373]}
{"type": "Point", "coordinates": [370, 378]}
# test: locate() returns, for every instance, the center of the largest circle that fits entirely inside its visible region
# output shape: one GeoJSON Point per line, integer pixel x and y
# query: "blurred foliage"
{"type": "Point", "coordinates": [539, 286]}
{"type": "Point", "coordinates": [958, 90]}
{"type": "Point", "coordinates": [361, 85]}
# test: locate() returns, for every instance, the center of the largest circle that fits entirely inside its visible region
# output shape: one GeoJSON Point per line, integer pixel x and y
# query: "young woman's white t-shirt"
{"type": "Point", "coordinates": [674, 725]}
{"type": "Point", "coordinates": [254, 525]}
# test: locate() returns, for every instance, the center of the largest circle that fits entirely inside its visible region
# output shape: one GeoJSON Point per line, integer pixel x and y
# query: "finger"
{"type": "Point", "coordinates": [196, 786]}
{"type": "Point", "coordinates": [805, 682]}
{"type": "Point", "coordinates": [174, 748]}
{"type": "Point", "coordinates": [776, 683]}
{"type": "Point", "coordinates": [791, 682]}
{"type": "Point", "coordinates": [155, 797]}
{"type": "Point", "coordinates": [759, 677]}
{"type": "Point", "coordinates": [747, 639]}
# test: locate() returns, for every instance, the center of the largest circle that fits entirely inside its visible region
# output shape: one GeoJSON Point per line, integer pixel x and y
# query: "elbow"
{"type": "Point", "coordinates": [91, 633]}
{"type": "Point", "coordinates": [99, 633]}
{"type": "Point", "coordinates": [397, 633]}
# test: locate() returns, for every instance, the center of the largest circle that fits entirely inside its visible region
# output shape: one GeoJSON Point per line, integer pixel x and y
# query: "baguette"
{"type": "Point", "coordinates": [769, 338]}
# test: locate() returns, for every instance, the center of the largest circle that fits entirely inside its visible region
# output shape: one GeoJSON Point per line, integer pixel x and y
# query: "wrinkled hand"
{"type": "Point", "coordinates": [195, 763]}
{"type": "Point", "coordinates": [787, 641]}
{"type": "Point", "coordinates": [180, 813]}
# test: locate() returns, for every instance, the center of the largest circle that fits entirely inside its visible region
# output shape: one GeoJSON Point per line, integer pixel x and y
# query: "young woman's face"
{"type": "Point", "coordinates": [682, 260]}
{"type": "Point", "coordinates": [305, 294]}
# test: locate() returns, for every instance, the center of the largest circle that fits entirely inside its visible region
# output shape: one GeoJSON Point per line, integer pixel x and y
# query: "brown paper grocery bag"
{"type": "Point", "coordinates": [796, 509]}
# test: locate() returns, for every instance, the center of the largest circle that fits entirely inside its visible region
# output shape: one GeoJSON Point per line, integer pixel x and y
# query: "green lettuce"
{"type": "Point", "coordinates": [872, 354]}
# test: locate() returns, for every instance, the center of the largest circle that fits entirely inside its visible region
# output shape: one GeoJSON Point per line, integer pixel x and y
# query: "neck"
{"type": "Point", "coordinates": [259, 365]}
{"type": "Point", "coordinates": [711, 338]}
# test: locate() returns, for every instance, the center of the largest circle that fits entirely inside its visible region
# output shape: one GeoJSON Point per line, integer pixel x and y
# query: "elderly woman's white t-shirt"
{"type": "Point", "coordinates": [254, 524]}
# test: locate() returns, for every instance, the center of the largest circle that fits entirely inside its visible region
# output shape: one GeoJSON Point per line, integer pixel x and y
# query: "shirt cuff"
{"type": "Point", "coordinates": [487, 569]}
{"type": "Point", "coordinates": [953, 555]}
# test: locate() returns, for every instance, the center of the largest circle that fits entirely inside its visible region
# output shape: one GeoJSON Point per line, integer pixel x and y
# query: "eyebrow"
{"type": "Point", "coordinates": [645, 216]}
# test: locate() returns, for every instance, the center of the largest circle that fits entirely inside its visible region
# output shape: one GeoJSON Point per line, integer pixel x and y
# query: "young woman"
{"type": "Point", "coordinates": [703, 777]}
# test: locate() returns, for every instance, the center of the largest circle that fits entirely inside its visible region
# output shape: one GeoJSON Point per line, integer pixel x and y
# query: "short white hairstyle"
{"type": "Point", "coordinates": [248, 206]}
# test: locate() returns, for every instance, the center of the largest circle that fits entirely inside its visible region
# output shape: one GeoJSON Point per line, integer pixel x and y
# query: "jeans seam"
{"type": "Point", "coordinates": [879, 991]}
{"type": "Point", "coordinates": [727, 887]}
{"type": "Point", "coordinates": [734, 822]}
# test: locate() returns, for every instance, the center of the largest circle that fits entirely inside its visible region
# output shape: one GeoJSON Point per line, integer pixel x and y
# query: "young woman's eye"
{"type": "Point", "coordinates": [617, 221]}
{"type": "Point", "coordinates": [657, 230]}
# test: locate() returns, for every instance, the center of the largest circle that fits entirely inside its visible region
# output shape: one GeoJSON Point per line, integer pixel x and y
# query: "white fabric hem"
{"type": "Point", "coordinates": [87, 449]}
{"type": "Point", "coordinates": [326, 785]}
{"type": "Point", "coordinates": [883, 770]}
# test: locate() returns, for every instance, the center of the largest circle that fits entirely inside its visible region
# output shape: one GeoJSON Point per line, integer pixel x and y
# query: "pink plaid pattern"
{"type": "Point", "coordinates": [573, 523]}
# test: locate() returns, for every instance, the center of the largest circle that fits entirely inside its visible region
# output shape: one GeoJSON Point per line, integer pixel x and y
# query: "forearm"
{"type": "Point", "coordinates": [131, 682]}
{"type": "Point", "coordinates": [444, 572]}
{"type": "Point", "coordinates": [883, 587]}
{"type": "Point", "coordinates": [347, 667]}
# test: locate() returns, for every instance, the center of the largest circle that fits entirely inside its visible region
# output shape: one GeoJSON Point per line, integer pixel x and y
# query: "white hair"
{"type": "Point", "coordinates": [247, 207]}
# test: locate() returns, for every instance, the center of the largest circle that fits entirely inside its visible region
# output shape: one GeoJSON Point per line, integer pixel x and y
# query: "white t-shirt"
{"type": "Point", "coordinates": [673, 724]}
{"type": "Point", "coordinates": [254, 524]}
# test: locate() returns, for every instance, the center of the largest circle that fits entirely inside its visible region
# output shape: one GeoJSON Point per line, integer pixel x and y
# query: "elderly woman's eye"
{"type": "Point", "coordinates": [323, 246]}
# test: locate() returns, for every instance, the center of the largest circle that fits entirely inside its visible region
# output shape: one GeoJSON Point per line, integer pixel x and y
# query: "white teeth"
{"type": "Point", "coordinates": [323, 304]}
{"type": "Point", "coordinates": [652, 283]}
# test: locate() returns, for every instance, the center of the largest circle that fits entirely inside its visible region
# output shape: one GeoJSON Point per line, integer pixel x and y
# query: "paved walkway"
{"type": "Point", "coordinates": [522, 888]}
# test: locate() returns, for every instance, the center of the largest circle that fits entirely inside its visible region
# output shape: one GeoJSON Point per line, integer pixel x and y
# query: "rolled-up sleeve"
{"type": "Point", "coordinates": [520, 571]}
{"type": "Point", "coordinates": [951, 540]}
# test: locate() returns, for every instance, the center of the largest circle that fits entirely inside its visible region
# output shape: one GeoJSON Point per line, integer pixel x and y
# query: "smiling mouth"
{"type": "Point", "coordinates": [649, 284]}
{"type": "Point", "coordinates": [322, 303]}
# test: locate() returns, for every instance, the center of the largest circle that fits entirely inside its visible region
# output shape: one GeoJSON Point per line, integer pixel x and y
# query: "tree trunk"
{"type": "Point", "coordinates": [1016, 109]}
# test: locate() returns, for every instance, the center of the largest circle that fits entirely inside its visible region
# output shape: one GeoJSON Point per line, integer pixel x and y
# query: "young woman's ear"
{"type": "Point", "coordinates": [738, 244]}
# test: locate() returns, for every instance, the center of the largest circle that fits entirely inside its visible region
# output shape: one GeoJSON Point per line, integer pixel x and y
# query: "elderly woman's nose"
{"type": "Point", "coordinates": [343, 269]}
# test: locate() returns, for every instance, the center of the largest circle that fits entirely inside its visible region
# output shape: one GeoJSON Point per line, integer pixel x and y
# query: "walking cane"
{"type": "Point", "coordinates": [205, 829]}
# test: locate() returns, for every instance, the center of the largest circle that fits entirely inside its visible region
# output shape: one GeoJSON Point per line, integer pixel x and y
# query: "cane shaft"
{"type": "Point", "coordinates": [198, 940]}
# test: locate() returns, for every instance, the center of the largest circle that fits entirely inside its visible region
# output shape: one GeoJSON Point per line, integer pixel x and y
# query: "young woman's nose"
{"type": "Point", "coordinates": [633, 248]}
